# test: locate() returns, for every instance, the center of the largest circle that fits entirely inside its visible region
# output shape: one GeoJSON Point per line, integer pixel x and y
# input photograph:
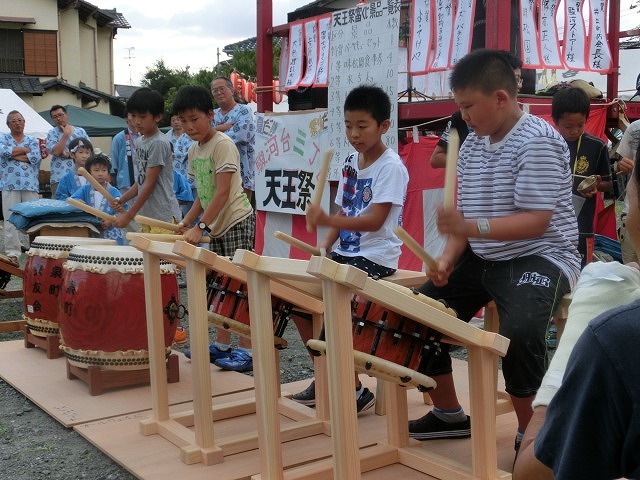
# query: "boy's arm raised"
{"type": "Point", "coordinates": [371, 222]}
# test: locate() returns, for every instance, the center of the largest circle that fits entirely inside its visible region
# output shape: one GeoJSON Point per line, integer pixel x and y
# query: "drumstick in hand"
{"type": "Point", "coordinates": [304, 246]}
{"type": "Point", "coordinates": [89, 209]}
{"type": "Point", "coordinates": [322, 179]}
{"type": "Point", "coordinates": [156, 223]}
{"type": "Point", "coordinates": [416, 248]}
{"type": "Point", "coordinates": [453, 144]}
{"type": "Point", "coordinates": [103, 191]}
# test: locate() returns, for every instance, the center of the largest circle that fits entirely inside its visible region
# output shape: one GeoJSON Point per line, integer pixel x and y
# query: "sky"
{"type": "Point", "coordinates": [189, 33]}
{"type": "Point", "coordinates": [183, 33]}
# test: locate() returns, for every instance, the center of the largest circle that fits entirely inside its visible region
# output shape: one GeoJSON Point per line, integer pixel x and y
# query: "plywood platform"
{"type": "Point", "coordinates": [112, 421]}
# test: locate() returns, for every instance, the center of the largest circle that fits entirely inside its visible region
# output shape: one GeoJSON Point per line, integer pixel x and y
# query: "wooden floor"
{"type": "Point", "coordinates": [111, 421]}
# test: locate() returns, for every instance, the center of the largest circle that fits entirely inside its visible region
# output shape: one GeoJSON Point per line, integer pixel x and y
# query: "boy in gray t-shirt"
{"type": "Point", "coordinates": [153, 188]}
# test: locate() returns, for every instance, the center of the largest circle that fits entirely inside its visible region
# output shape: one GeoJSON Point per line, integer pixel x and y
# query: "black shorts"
{"type": "Point", "coordinates": [526, 291]}
{"type": "Point", "coordinates": [373, 269]}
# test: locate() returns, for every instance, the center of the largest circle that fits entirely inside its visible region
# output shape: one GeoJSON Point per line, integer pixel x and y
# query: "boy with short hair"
{"type": "Point", "coordinates": [99, 167]}
{"type": "Point", "coordinates": [226, 214]}
{"type": "Point", "coordinates": [371, 195]}
{"type": "Point", "coordinates": [512, 238]}
{"type": "Point", "coordinates": [588, 154]}
{"type": "Point", "coordinates": [80, 151]}
{"type": "Point", "coordinates": [153, 187]}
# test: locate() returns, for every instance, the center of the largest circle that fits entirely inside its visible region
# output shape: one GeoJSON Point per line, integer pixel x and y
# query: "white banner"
{"type": "Point", "coordinates": [289, 148]}
{"type": "Point", "coordinates": [529, 35]}
{"type": "Point", "coordinates": [324, 34]}
{"type": "Point", "coordinates": [549, 38]}
{"type": "Point", "coordinates": [296, 53]}
{"type": "Point", "coordinates": [599, 59]}
{"type": "Point", "coordinates": [462, 31]}
{"type": "Point", "coordinates": [284, 61]}
{"type": "Point", "coordinates": [364, 50]}
{"type": "Point", "coordinates": [311, 47]}
{"type": "Point", "coordinates": [444, 32]}
{"type": "Point", "coordinates": [573, 49]}
{"type": "Point", "coordinates": [420, 44]}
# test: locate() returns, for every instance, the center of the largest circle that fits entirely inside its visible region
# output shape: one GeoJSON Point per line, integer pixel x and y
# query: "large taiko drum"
{"type": "Point", "coordinates": [102, 313]}
{"type": "Point", "coordinates": [228, 298]}
{"type": "Point", "coordinates": [42, 278]}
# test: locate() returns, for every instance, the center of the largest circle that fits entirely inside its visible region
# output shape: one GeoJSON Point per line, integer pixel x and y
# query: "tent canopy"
{"type": "Point", "coordinates": [96, 124]}
{"type": "Point", "coordinates": [34, 124]}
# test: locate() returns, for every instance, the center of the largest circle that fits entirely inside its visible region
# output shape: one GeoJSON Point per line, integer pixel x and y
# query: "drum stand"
{"type": "Point", "coordinates": [201, 445]}
{"type": "Point", "coordinates": [99, 379]}
{"type": "Point", "coordinates": [50, 343]}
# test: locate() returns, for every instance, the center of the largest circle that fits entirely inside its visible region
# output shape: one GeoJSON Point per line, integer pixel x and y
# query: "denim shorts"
{"type": "Point", "coordinates": [526, 291]}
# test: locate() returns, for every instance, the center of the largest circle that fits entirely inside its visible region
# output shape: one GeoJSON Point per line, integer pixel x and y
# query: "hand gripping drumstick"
{"type": "Point", "coordinates": [322, 179]}
{"type": "Point", "coordinates": [453, 144]}
{"type": "Point", "coordinates": [103, 191]}
{"type": "Point", "coordinates": [304, 246]}
{"type": "Point", "coordinates": [156, 223]}
{"type": "Point", "coordinates": [93, 211]}
{"type": "Point", "coordinates": [415, 247]}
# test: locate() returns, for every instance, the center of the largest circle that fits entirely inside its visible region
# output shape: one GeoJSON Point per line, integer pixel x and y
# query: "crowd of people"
{"type": "Point", "coordinates": [519, 235]}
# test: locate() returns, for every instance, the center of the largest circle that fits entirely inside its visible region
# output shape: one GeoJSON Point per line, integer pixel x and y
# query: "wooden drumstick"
{"type": "Point", "coordinates": [322, 179]}
{"type": "Point", "coordinates": [453, 144]}
{"type": "Point", "coordinates": [96, 184]}
{"type": "Point", "coordinates": [89, 209]}
{"type": "Point", "coordinates": [156, 223]}
{"type": "Point", "coordinates": [159, 237]}
{"type": "Point", "coordinates": [416, 248]}
{"type": "Point", "coordinates": [304, 246]}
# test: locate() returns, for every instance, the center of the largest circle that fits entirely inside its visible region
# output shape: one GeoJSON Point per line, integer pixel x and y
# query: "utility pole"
{"type": "Point", "coordinates": [130, 57]}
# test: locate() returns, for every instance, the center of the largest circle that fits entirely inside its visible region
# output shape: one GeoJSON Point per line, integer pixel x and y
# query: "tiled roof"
{"type": "Point", "coordinates": [20, 84]}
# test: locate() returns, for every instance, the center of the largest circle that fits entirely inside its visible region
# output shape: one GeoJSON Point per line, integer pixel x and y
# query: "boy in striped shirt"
{"type": "Point", "coordinates": [512, 237]}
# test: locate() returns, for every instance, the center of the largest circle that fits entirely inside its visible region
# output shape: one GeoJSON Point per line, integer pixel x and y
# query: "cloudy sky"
{"type": "Point", "coordinates": [189, 32]}
{"type": "Point", "coordinates": [183, 32]}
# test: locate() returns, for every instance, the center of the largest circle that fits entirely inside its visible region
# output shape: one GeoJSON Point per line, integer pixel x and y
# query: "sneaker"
{"type": "Point", "coordinates": [431, 427]}
{"type": "Point", "coordinates": [307, 396]}
{"type": "Point", "coordinates": [181, 336]}
{"type": "Point", "coordinates": [214, 353]}
{"type": "Point", "coordinates": [238, 361]}
{"type": "Point", "coordinates": [365, 401]}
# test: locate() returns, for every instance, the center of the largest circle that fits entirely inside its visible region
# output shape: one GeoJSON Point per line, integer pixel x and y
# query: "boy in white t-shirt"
{"type": "Point", "coordinates": [371, 196]}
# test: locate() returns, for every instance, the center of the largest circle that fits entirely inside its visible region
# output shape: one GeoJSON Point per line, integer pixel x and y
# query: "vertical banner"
{"type": "Point", "coordinates": [364, 50]}
{"type": "Point", "coordinates": [296, 53]}
{"type": "Point", "coordinates": [549, 38]}
{"type": "Point", "coordinates": [324, 32]}
{"type": "Point", "coordinates": [599, 56]}
{"type": "Point", "coordinates": [444, 32]}
{"type": "Point", "coordinates": [574, 36]}
{"type": "Point", "coordinates": [462, 30]}
{"type": "Point", "coordinates": [420, 44]}
{"type": "Point", "coordinates": [284, 61]}
{"type": "Point", "coordinates": [311, 47]}
{"type": "Point", "coordinates": [289, 150]}
{"type": "Point", "coordinates": [529, 35]}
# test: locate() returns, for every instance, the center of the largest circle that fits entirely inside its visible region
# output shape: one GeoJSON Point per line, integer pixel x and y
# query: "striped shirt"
{"type": "Point", "coordinates": [527, 170]}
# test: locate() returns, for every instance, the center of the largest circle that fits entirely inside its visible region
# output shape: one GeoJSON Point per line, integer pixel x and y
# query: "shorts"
{"type": "Point", "coordinates": [373, 269]}
{"type": "Point", "coordinates": [526, 291]}
{"type": "Point", "coordinates": [240, 236]}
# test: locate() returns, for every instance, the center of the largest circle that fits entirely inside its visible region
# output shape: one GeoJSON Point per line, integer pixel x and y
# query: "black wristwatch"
{"type": "Point", "coordinates": [204, 227]}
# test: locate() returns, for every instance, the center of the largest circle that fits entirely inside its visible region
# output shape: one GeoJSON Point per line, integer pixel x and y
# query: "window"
{"type": "Point", "coordinates": [29, 52]}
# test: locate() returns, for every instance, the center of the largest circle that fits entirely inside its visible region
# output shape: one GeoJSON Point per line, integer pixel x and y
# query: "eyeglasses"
{"type": "Point", "coordinates": [218, 90]}
{"type": "Point", "coordinates": [21, 120]}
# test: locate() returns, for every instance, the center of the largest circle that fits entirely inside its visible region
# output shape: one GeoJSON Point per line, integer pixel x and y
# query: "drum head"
{"type": "Point", "coordinates": [59, 247]}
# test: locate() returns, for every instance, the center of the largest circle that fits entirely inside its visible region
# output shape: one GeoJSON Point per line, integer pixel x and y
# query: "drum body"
{"type": "Point", "coordinates": [42, 279]}
{"type": "Point", "coordinates": [102, 312]}
{"type": "Point", "coordinates": [228, 297]}
{"type": "Point", "coordinates": [386, 334]}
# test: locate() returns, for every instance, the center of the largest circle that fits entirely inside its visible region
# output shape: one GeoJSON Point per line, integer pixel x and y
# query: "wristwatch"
{"type": "Point", "coordinates": [204, 227]}
{"type": "Point", "coordinates": [483, 227]}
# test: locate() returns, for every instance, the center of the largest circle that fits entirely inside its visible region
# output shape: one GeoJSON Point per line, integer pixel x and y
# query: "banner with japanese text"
{"type": "Point", "coordinates": [289, 150]}
{"type": "Point", "coordinates": [364, 50]}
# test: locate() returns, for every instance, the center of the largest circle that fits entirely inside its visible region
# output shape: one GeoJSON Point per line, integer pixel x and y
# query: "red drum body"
{"type": "Point", "coordinates": [228, 297]}
{"type": "Point", "coordinates": [42, 279]}
{"type": "Point", "coordinates": [102, 313]}
{"type": "Point", "coordinates": [386, 334]}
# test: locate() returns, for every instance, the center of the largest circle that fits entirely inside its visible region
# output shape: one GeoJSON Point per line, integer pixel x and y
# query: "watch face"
{"type": "Point", "coordinates": [202, 226]}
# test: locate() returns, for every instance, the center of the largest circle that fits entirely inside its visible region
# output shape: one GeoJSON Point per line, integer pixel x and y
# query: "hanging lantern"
{"type": "Point", "coordinates": [234, 77]}
{"type": "Point", "coordinates": [278, 96]}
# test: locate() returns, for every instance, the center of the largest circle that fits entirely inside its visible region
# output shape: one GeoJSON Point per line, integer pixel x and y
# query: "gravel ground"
{"type": "Point", "coordinates": [34, 446]}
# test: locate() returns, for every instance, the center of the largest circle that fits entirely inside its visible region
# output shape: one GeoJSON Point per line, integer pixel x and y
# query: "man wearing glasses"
{"type": "Point", "coordinates": [19, 167]}
{"type": "Point", "coordinates": [58, 141]}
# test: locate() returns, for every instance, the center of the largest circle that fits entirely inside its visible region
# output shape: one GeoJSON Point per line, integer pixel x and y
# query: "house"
{"type": "Point", "coordinates": [60, 52]}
